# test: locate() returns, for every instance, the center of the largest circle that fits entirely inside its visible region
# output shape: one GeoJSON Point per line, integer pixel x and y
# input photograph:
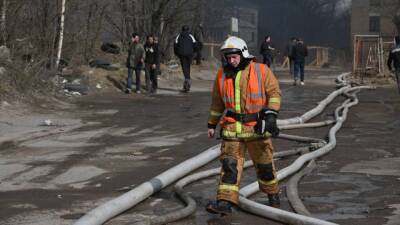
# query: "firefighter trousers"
{"type": "Point", "coordinates": [232, 159]}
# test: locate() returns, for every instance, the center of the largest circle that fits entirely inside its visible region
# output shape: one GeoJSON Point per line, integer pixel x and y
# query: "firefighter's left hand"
{"type": "Point", "coordinates": [271, 126]}
{"type": "Point", "coordinates": [267, 123]}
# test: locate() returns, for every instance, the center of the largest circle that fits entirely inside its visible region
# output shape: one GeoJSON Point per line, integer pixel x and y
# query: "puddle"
{"type": "Point", "coordinates": [32, 174]}
{"type": "Point", "coordinates": [107, 112]}
{"type": "Point", "coordinates": [161, 141]}
{"type": "Point", "coordinates": [395, 219]}
{"type": "Point", "coordinates": [385, 166]}
{"type": "Point", "coordinates": [6, 170]}
{"type": "Point", "coordinates": [78, 174]}
{"type": "Point", "coordinates": [37, 217]}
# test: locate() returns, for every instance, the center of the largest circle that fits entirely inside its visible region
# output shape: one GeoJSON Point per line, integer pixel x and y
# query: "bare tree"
{"type": "Point", "coordinates": [61, 34]}
{"type": "Point", "coordinates": [3, 28]}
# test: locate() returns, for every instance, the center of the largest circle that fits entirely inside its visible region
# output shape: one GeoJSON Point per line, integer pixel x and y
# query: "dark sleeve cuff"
{"type": "Point", "coordinates": [211, 126]}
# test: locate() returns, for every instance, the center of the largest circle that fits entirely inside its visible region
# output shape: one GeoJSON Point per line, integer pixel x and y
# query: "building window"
{"type": "Point", "coordinates": [374, 24]}
{"type": "Point", "coordinates": [374, 3]}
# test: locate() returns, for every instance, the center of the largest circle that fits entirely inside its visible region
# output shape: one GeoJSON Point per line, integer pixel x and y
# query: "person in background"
{"type": "Point", "coordinates": [134, 62]}
{"type": "Point", "coordinates": [266, 50]}
{"type": "Point", "coordinates": [151, 61]}
{"type": "Point", "coordinates": [289, 54]}
{"type": "Point", "coordinates": [184, 49]}
{"type": "Point", "coordinates": [299, 53]}
{"type": "Point", "coordinates": [394, 58]}
{"type": "Point", "coordinates": [199, 36]}
{"type": "Point", "coordinates": [157, 45]}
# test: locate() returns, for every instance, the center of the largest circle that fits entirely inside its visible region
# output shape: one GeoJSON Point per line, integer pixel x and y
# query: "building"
{"type": "Point", "coordinates": [369, 17]}
{"type": "Point", "coordinates": [218, 25]}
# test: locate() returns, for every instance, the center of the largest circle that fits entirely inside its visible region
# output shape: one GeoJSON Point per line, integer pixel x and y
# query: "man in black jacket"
{"type": "Point", "coordinates": [184, 48]}
{"type": "Point", "coordinates": [394, 57]}
{"type": "Point", "coordinates": [199, 36]}
{"type": "Point", "coordinates": [299, 54]}
{"type": "Point", "coordinates": [289, 54]}
{"type": "Point", "coordinates": [151, 61]}
{"type": "Point", "coordinates": [266, 50]}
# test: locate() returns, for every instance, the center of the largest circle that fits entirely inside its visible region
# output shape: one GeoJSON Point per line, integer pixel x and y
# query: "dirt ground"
{"type": "Point", "coordinates": [98, 146]}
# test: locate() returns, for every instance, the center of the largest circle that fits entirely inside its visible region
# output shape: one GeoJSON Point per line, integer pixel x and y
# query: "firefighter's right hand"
{"type": "Point", "coordinates": [211, 133]}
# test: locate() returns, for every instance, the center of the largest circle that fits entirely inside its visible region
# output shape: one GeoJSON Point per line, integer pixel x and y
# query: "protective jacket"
{"type": "Point", "coordinates": [248, 92]}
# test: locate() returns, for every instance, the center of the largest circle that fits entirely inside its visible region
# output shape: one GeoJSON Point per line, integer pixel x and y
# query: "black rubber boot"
{"type": "Point", "coordinates": [219, 207]}
{"type": "Point", "coordinates": [274, 200]}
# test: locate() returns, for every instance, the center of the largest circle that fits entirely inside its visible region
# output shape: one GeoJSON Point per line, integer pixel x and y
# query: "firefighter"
{"type": "Point", "coordinates": [245, 102]}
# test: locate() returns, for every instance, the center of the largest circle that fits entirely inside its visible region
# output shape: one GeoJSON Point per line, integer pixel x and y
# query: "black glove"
{"type": "Point", "coordinates": [267, 122]}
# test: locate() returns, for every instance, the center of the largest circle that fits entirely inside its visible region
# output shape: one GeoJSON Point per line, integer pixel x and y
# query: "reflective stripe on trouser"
{"type": "Point", "coordinates": [232, 159]}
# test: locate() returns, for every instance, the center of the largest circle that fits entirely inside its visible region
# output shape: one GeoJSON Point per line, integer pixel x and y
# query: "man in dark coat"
{"type": "Point", "coordinates": [299, 54]}
{"type": "Point", "coordinates": [289, 54]}
{"type": "Point", "coordinates": [184, 48]}
{"type": "Point", "coordinates": [199, 36]}
{"type": "Point", "coordinates": [151, 61]}
{"type": "Point", "coordinates": [266, 50]}
{"type": "Point", "coordinates": [135, 61]}
{"type": "Point", "coordinates": [394, 58]}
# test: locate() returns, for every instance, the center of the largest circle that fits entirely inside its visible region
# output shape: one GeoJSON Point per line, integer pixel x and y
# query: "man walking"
{"type": "Point", "coordinates": [245, 102]}
{"type": "Point", "coordinates": [184, 49]}
{"type": "Point", "coordinates": [151, 62]}
{"type": "Point", "coordinates": [135, 61]}
{"type": "Point", "coordinates": [266, 50]}
{"type": "Point", "coordinates": [199, 36]}
{"type": "Point", "coordinates": [289, 54]}
{"type": "Point", "coordinates": [394, 58]}
{"type": "Point", "coordinates": [299, 53]}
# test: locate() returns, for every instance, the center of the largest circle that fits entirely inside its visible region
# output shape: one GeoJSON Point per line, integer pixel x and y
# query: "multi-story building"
{"type": "Point", "coordinates": [369, 17]}
{"type": "Point", "coordinates": [219, 26]}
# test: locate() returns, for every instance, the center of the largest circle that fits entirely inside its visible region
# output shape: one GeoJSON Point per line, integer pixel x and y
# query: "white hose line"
{"type": "Point", "coordinates": [317, 110]}
{"type": "Point", "coordinates": [292, 190]}
{"type": "Point", "coordinates": [341, 80]}
{"type": "Point", "coordinates": [278, 214]}
{"type": "Point", "coordinates": [289, 217]}
{"type": "Point", "coordinates": [307, 125]}
{"type": "Point", "coordinates": [114, 207]}
{"type": "Point", "coordinates": [300, 138]}
{"type": "Point", "coordinates": [190, 207]}
{"type": "Point", "coordinates": [189, 201]}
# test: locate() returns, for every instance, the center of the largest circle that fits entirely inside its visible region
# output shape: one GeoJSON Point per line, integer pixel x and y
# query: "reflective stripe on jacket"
{"type": "Point", "coordinates": [252, 89]}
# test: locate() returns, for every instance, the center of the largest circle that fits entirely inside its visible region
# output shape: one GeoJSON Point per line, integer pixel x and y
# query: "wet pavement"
{"type": "Point", "coordinates": [125, 140]}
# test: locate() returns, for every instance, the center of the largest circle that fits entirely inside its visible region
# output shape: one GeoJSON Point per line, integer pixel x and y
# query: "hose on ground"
{"type": "Point", "coordinates": [300, 138]}
{"type": "Point", "coordinates": [292, 191]}
{"type": "Point", "coordinates": [307, 125]}
{"type": "Point", "coordinates": [317, 110]}
{"type": "Point", "coordinates": [114, 207]}
{"type": "Point", "coordinates": [288, 217]}
{"type": "Point", "coordinates": [190, 207]}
